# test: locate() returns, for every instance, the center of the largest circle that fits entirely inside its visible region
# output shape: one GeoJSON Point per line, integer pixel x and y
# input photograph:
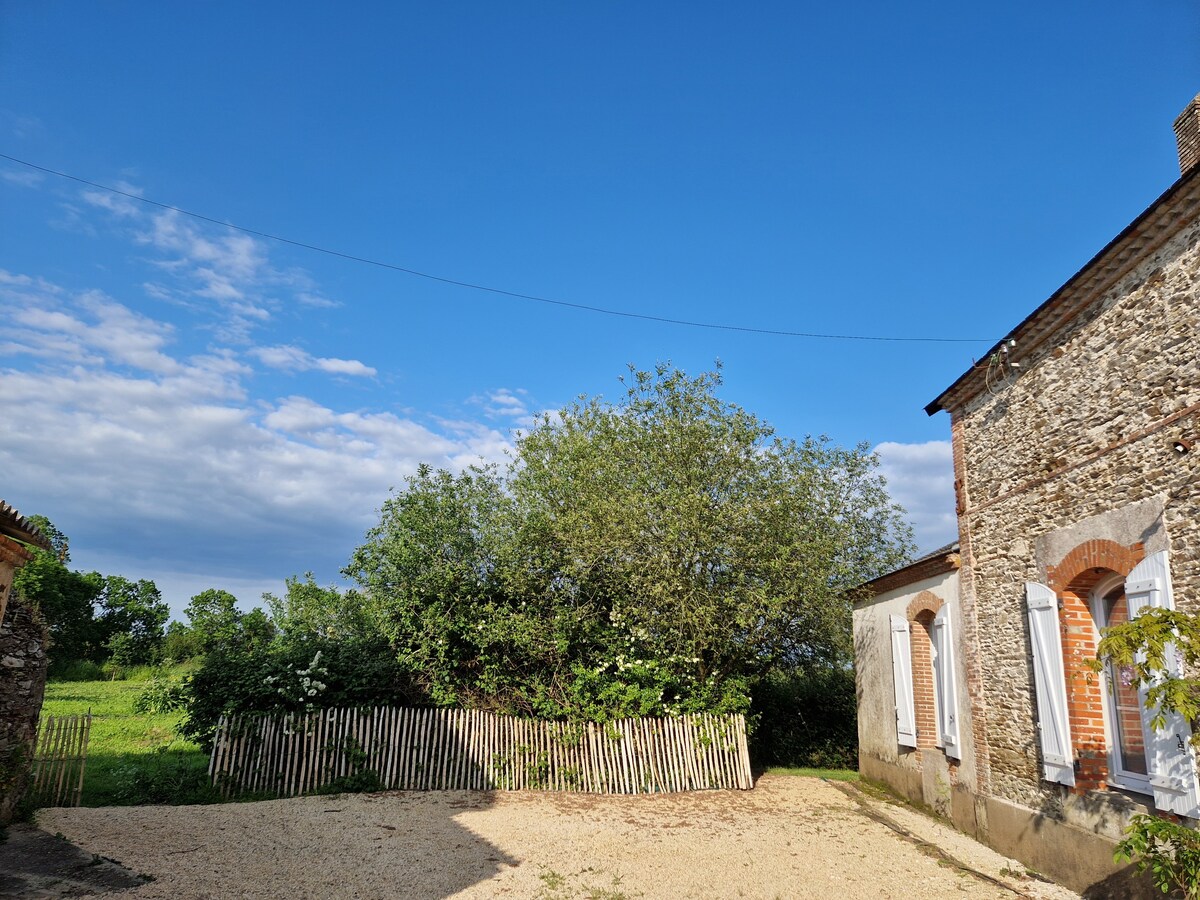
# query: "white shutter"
{"type": "Point", "coordinates": [947, 682]}
{"type": "Point", "coordinates": [906, 720]}
{"type": "Point", "coordinates": [1053, 727]}
{"type": "Point", "coordinates": [1169, 754]}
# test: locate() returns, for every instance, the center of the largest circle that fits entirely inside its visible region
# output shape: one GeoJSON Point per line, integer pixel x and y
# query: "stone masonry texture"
{"type": "Point", "coordinates": [1081, 432]}
{"type": "Point", "coordinates": [23, 665]}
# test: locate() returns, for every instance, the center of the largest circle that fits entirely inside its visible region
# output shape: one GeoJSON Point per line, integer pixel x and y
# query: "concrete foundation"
{"type": "Point", "coordinates": [1070, 854]}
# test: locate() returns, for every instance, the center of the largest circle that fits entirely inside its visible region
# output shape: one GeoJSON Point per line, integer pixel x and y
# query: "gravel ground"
{"type": "Point", "coordinates": [789, 837]}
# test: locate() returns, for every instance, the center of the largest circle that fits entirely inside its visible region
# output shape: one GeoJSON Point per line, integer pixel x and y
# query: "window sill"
{"type": "Point", "coordinates": [1134, 789]}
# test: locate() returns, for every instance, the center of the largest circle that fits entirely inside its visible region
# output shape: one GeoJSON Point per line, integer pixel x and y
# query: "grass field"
{"type": "Point", "coordinates": [829, 774]}
{"type": "Point", "coordinates": [132, 757]}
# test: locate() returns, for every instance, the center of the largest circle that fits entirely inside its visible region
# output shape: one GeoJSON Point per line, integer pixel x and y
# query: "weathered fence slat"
{"type": "Point", "coordinates": [432, 749]}
{"type": "Point", "coordinates": [59, 759]}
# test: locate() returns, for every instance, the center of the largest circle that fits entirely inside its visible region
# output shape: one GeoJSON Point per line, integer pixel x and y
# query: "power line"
{"type": "Point", "coordinates": [482, 287]}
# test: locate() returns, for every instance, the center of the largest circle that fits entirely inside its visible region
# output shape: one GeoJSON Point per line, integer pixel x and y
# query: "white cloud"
{"type": "Point", "coordinates": [507, 403]}
{"type": "Point", "coordinates": [293, 359]}
{"type": "Point", "coordinates": [921, 479]}
{"type": "Point", "coordinates": [26, 127]}
{"type": "Point", "coordinates": [22, 178]}
{"type": "Point", "coordinates": [158, 460]}
{"type": "Point", "coordinates": [162, 462]}
{"type": "Point", "coordinates": [120, 206]}
{"type": "Point", "coordinates": [92, 330]}
{"type": "Point", "coordinates": [221, 272]}
{"type": "Point", "coordinates": [315, 300]}
{"type": "Point", "coordinates": [343, 366]}
{"type": "Point", "coordinates": [230, 270]}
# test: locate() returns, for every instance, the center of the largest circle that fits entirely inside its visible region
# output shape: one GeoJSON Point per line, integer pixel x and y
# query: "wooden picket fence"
{"type": "Point", "coordinates": [449, 749]}
{"type": "Point", "coordinates": [59, 758]}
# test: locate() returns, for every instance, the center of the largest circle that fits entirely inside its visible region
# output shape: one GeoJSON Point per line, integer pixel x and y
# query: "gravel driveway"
{"type": "Point", "coordinates": [789, 837]}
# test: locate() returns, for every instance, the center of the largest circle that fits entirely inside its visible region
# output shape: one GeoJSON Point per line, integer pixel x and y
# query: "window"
{"type": "Point", "coordinates": [924, 678]}
{"type": "Point", "coordinates": [1081, 747]}
{"type": "Point", "coordinates": [1123, 702]}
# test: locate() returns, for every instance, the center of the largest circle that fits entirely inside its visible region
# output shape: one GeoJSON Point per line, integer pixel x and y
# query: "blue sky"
{"type": "Point", "coordinates": [207, 408]}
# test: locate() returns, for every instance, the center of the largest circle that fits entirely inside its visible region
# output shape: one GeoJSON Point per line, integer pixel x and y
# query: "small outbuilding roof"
{"type": "Point", "coordinates": [942, 560]}
{"type": "Point", "coordinates": [16, 526]}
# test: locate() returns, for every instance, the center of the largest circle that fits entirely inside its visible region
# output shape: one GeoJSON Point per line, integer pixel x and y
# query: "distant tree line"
{"type": "Point", "coordinates": [92, 617]}
{"type": "Point", "coordinates": [109, 620]}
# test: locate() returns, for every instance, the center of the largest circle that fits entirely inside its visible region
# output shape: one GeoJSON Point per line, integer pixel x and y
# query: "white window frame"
{"type": "Point", "coordinates": [1118, 776]}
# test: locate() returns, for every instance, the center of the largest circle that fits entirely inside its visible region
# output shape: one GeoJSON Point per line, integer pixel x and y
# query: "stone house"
{"type": "Point", "coordinates": [1078, 499]}
{"type": "Point", "coordinates": [23, 661]}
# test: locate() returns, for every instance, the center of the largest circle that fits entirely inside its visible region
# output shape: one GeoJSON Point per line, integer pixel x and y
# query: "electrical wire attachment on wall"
{"type": "Point", "coordinates": [1000, 366]}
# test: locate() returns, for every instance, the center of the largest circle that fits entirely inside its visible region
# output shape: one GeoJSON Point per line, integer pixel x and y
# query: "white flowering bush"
{"type": "Point", "coordinates": [296, 675]}
{"type": "Point", "coordinates": [302, 686]}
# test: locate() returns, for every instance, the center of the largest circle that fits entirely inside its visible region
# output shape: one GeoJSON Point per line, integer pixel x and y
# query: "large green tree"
{"type": "Point", "coordinates": [65, 598]}
{"type": "Point", "coordinates": [645, 556]}
{"type": "Point", "coordinates": [133, 618]}
{"type": "Point", "coordinates": [307, 609]}
{"type": "Point", "coordinates": [214, 621]}
{"type": "Point", "coordinates": [91, 616]}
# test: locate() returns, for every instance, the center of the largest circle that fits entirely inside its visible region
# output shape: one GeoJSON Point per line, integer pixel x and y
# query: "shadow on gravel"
{"type": "Point", "coordinates": [35, 863]}
{"type": "Point", "coordinates": [390, 844]}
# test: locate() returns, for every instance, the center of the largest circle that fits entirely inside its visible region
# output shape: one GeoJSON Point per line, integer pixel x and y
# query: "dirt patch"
{"type": "Point", "coordinates": [789, 837]}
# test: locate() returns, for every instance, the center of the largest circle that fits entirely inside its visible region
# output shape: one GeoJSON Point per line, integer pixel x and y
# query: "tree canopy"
{"type": "Point", "coordinates": [647, 556]}
{"type": "Point", "coordinates": [65, 598]}
{"type": "Point", "coordinates": [91, 616]}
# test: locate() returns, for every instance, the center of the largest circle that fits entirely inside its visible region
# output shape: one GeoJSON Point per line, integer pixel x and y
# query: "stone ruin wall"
{"type": "Point", "coordinates": [23, 665]}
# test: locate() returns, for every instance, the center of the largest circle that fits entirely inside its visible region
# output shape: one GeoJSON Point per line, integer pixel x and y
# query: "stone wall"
{"type": "Point", "coordinates": [1076, 446]}
{"type": "Point", "coordinates": [23, 665]}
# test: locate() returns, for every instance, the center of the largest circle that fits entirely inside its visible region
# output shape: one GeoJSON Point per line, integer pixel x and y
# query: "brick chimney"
{"type": "Point", "coordinates": [1187, 135]}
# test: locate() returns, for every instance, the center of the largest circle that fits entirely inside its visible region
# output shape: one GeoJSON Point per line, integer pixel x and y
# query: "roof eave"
{"type": "Point", "coordinates": [938, 562]}
{"type": "Point", "coordinates": [17, 527]}
{"type": "Point", "coordinates": [942, 401]}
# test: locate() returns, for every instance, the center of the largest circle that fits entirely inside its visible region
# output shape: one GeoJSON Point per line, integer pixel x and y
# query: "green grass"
{"type": "Point", "coordinates": [132, 757]}
{"type": "Point", "coordinates": [831, 774]}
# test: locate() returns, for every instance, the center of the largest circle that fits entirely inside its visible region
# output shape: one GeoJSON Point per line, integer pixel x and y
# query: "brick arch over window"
{"type": "Point", "coordinates": [926, 601]}
{"type": "Point", "coordinates": [921, 610]}
{"type": "Point", "coordinates": [1073, 580]}
{"type": "Point", "coordinates": [1098, 554]}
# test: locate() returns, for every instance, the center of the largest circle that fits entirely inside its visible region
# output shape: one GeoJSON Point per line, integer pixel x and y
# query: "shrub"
{"type": "Point", "coordinates": [1171, 852]}
{"type": "Point", "coordinates": [645, 557]}
{"type": "Point", "coordinates": [75, 670]}
{"type": "Point", "coordinates": [113, 671]}
{"type": "Point", "coordinates": [160, 695]}
{"type": "Point", "coordinates": [360, 779]}
{"type": "Point", "coordinates": [805, 718]}
{"type": "Point", "coordinates": [166, 776]}
{"type": "Point", "coordinates": [296, 675]}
